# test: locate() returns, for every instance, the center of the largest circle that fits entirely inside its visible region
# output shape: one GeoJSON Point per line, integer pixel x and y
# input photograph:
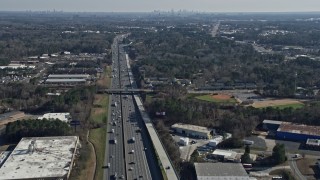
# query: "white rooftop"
{"type": "Point", "coordinates": [3, 156]}
{"type": "Point", "coordinates": [220, 171]}
{"type": "Point", "coordinates": [51, 157]}
{"type": "Point", "coordinates": [64, 80]}
{"type": "Point", "coordinates": [227, 154]}
{"type": "Point", "coordinates": [69, 76]}
{"type": "Point", "coordinates": [191, 127]}
{"type": "Point", "coordinates": [267, 121]}
{"type": "Point", "coordinates": [61, 116]}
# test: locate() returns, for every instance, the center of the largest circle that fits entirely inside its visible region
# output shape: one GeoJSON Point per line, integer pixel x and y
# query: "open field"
{"type": "Point", "coordinates": [87, 173]}
{"type": "Point", "coordinates": [100, 110]}
{"type": "Point", "coordinates": [105, 80]}
{"type": "Point", "coordinates": [278, 103]}
{"type": "Point", "coordinates": [97, 137]}
{"type": "Point", "coordinates": [217, 98]}
{"type": "Point", "coordinates": [99, 114]}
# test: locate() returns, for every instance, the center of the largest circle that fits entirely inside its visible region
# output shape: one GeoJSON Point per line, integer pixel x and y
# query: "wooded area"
{"type": "Point", "coordinates": [36, 128]}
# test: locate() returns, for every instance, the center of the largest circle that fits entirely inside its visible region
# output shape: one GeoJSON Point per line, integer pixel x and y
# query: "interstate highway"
{"type": "Point", "coordinates": [115, 151]}
{"type": "Point", "coordinates": [125, 163]}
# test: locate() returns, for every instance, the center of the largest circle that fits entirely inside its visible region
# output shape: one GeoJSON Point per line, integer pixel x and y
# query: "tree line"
{"type": "Point", "coordinates": [35, 128]}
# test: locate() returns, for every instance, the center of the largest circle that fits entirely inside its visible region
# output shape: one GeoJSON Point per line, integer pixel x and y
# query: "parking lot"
{"type": "Point", "coordinates": [186, 151]}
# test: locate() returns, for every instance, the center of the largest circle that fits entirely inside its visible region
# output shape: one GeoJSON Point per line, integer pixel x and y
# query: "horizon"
{"type": "Point", "coordinates": [209, 6]}
{"type": "Point", "coordinates": [164, 11]}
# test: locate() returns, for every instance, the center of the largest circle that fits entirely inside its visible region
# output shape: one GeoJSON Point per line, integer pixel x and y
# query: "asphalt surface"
{"type": "Point", "coordinates": [115, 154]}
{"type": "Point", "coordinates": [127, 158]}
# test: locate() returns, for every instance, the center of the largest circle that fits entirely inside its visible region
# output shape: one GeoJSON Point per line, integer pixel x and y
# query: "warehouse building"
{"type": "Point", "coordinates": [66, 81]}
{"type": "Point", "coordinates": [225, 155]}
{"type": "Point", "coordinates": [313, 144]}
{"type": "Point", "coordinates": [65, 117]}
{"type": "Point", "coordinates": [220, 171]}
{"type": "Point", "coordinates": [192, 130]}
{"type": "Point", "coordinates": [69, 76]}
{"type": "Point", "coordinates": [297, 132]}
{"type": "Point", "coordinates": [271, 125]}
{"type": "Point", "coordinates": [41, 158]}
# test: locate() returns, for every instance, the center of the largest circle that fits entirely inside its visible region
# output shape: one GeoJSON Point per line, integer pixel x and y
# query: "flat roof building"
{"type": "Point", "coordinates": [41, 158]}
{"type": "Point", "coordinates": [69, 76]}
{"type": "Point", "coordinates": [225, 155]}
{"type": "Point", "coordinates": [17, 66]}
{"type": "Point", "coordinates": [65, 117]}
{"type": "Point", "coordinates": [192, 130]}
{"type": "Point", "coordinates": [298, 132]}
{"type": "Point", "coordinates": [3, 157]}
{"type": "Point", "coordinates": [220, 171]}
{"type": "Point", "coordinates": [271, 125]}
{"type": "Point", "coordinates": [66, 81]}
{"type": "Point", "coordinates": [313, 144]}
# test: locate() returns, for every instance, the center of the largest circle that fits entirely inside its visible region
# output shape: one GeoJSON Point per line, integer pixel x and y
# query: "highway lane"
{"type": "Point", "coordinates": [114, 155]}
{"type": "Point", "coordinates": [137, 164]}
{"type": "Point", "coordinates": [148, 154]}
{"type": "Point", "coordinates": [123, 123]}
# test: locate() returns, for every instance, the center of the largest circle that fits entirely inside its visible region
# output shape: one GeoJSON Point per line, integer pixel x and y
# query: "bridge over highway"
{"type": "Point", "coordinates": [125, 91]}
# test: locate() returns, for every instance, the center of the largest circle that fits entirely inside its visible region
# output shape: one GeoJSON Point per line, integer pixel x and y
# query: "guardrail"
{"type": "Point", "coordinates": [153, 134]}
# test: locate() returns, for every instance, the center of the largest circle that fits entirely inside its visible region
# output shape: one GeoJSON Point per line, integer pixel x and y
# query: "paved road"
{"type": "Point", "coordinates": [127, 158]}
{"type": "Point", "coordinates": [115, 154]}
{"type": "Point", "coordinates": [294, 168]}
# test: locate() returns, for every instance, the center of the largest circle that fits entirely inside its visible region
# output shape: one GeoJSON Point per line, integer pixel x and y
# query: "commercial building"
{"type": "Point", "coordinates": [66, 81]}
{"type": "Point", "coordinates": [271, 125]}
{"type": "Point", "coordinates": [17, 66]}
{"type": "Point", "coordinates": [297, 132]}
{"type": "Point", "coordinates": [65, 117]}
{"type": "Point", "coordinates": [220, 171]}
{"type": "Point", "coordinates": [291, 131]}
{"type": "Point", "coordinates": [41, 158]}
{"type": "Point", "coordinates": [192, 130]}
{"type": "Point", "coordinates": [215, 141]}
{"type": "Point", "coordinates": [225, 155]}
{"type": "Point", "coordinates": [69, 76]}
{"type": "Point", "coordinates": [313, 144]}
{"type": "Point", "coordinates": [3, 157]}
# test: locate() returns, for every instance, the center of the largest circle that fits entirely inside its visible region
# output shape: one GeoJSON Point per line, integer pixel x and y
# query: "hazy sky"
{"type": "Point", "coordinates": [150, 5]}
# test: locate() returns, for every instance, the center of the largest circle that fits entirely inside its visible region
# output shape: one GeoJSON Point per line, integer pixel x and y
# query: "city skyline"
{"type": "Point", "coordinates": [164, 5]}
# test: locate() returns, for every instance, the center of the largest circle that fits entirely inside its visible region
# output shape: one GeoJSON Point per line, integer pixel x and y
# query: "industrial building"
{"type": "Point", "coordinates": [66, 81]}
{"type": "Point", "coordinates": [69, 76]}
{"type": "Point", "coordinates": [313, 144]}
{"type": "Point", "coordinates": [271, 125]}
{"type": "Point", "coordinates": [219, 171]}
{"type": "Point", "coordinates": [297, 132]}
{"type": "Point", "coordinates": [17, 66]}
{"type": "Point", "coordinates": [65, 117]}
{"type": "Point", "coordinates": [225, 155]}
{"type": "Point", "coordinates": [291, 131]}
{"type": "Point", "coordinates": [192, 130]}
{"type": "Point", "coordinates": [215, 141]}
{"type": "Point", "coordinates": [41, 158]}
{"type": "Point", "coordinates": [3, 157]}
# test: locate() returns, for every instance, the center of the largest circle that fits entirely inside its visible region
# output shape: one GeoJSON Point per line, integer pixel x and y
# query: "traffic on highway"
{"type": "Point", "coordinates": [126, 150]}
